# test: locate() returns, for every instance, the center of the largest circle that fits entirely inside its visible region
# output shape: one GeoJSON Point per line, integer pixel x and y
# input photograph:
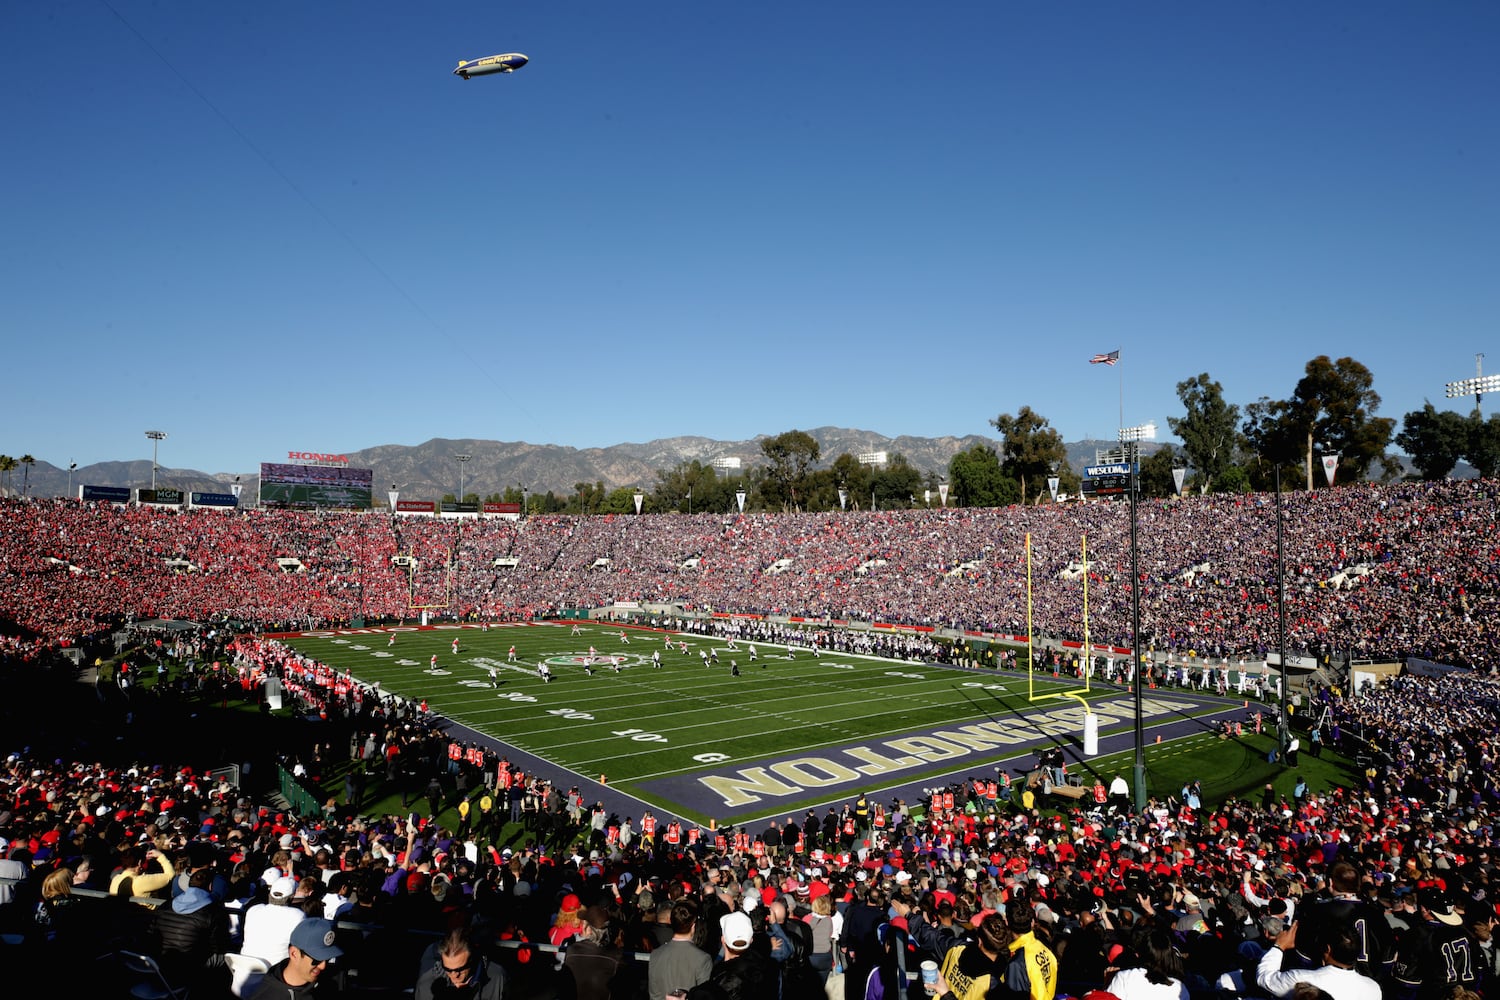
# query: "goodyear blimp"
{"type": "Point", "coordinates": [507, 62]}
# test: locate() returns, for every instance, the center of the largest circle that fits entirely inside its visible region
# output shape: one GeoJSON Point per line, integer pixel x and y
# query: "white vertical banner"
{"type": "Point", "coordinates": [1179, 477]}
{"type": "Point", "coordinates": [927, 497]}
{"type": "Point", "coordinates": [843, 499]}
{"type": "Point", "coordinates": [1091, 735]}
{"type": "Point", "coordinates": [943, 493]}
{"type": "Point", "coordinates": [393, 496]}
{"type": "Point", "coordinates": [639, 499]}
{"type": "Point", "coordinates": [1330, 466]}
{"type": "Point", "coordinates": [739, 496]}
{"type": "Point", "coordinates": [1052, 482]}
{"type": "Point", "coordinates": [235, 489]}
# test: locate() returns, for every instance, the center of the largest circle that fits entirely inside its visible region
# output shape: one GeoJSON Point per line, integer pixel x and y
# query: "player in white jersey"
{"type": "Point", "coordinates": [753, 655]}
{"type": "Point", "coordinates": [656, 660]}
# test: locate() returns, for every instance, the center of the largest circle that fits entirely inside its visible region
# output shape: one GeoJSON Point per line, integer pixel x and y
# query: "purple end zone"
{"type": "Point", "coordinates": [768, 786]}
{"type": "Point", "coordinates": [734, 791]}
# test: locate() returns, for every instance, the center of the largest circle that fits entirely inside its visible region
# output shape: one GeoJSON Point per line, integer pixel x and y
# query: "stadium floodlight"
{"type": "Point", "coordinates": [157, 437]}
{"type": "Point", "coordinates": [1475, 387]}
{"type": "Point", "coordinates": [462, 460]}
{"type": "Point", "coordinates": [1140, 432]}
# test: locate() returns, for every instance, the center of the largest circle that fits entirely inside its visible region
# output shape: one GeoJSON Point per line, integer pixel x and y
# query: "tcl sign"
{"type": "Point", "coordinates": [317, 456]}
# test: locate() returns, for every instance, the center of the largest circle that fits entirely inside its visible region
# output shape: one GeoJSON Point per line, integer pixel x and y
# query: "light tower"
{"type": "Point", "coordinates": [462, 460]}
{"type": "Point", "coordinates": [1476, 386]}
{"type": "Point", "coordinates": [1131, 438]}
{"type": "Point", "coordinates": [157, 437]}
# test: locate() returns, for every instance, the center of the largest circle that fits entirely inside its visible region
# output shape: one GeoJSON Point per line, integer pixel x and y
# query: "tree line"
{"type": "Point", "coordinates": [1225, 448]}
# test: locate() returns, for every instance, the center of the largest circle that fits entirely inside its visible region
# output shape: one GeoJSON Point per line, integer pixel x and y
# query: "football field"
{"type": "Point", "coordinates": [692, 738]}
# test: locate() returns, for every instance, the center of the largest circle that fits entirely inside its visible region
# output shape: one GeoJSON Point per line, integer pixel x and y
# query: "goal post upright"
{"type": "Point", "coordinates": [1090, 720]}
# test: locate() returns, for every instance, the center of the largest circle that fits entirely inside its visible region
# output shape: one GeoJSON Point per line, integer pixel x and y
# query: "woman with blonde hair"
{"type": "Point", "coordinates": [825, 934]}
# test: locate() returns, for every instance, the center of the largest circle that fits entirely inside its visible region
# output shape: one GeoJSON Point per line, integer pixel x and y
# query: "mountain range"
{"type": "Point", "coordinates": [429, 470]}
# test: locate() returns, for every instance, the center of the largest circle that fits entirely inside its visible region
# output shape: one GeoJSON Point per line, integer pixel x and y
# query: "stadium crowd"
{"type": "Point", "coordinates": [1372, 570]}
{"type": "Point", "coordinates": [1381, 890]}
{"type": "Point", "coordinates": [1386, 889]}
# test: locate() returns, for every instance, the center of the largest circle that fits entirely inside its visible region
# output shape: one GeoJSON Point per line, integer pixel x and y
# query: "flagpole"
{"type": "Point", "coordinates": [1122, 391]}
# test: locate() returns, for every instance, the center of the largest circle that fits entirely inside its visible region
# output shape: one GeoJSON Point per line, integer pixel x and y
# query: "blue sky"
{"type": "Point", "coordinates": [278, 226]}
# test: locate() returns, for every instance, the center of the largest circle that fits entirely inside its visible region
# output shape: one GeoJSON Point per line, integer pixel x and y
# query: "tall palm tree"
{"type": "Point", "coordinates": [6, 465]}
{"type": "Point", "coordinates": [27, 461]}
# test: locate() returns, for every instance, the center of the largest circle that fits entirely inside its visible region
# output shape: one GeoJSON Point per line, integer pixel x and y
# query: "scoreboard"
{"type": "Point", "coordinates": [1108, 480]}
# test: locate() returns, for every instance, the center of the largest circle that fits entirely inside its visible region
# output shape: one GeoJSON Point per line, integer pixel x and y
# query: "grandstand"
{"type": "Point", "coordinates": [1374, 571]}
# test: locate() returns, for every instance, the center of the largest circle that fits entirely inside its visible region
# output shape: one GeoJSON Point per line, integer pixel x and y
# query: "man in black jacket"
{"type": "Point", "coordinates": [297, 977]}
{"type": "Point", "coordinates": [191, 935]}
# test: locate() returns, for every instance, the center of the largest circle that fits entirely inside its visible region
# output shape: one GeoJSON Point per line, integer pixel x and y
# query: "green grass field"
{"type": "Point", "coordinates": [653, 731]}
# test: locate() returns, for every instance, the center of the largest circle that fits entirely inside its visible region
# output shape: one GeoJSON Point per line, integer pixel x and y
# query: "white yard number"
{"type": "Point", "coordinates": [641, 737]}
{"type": "Point", "coordinates": [568, 713]}
{"type": "Point", "coordinates": [710, 758]}
{"type": "Point", "coordinates": [516, 696]}
{"type": "Point", "coordinates": [913, 677]}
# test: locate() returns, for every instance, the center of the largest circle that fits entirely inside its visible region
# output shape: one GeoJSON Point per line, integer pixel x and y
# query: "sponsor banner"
{"type": "Point", "coordinates": [329, 633]}
{"type": "Point", "coordinates": [1113, 469]}
{"type": "Point", "coordinates": [449, 507]}
{"type": "Point", "coordinates": [1096, 647]}
{"type": "Point", "coordinates": [1429, 668]}
{"type": "Point", "coordinates": [162, 497]}
{"type": "Point", "coordinates": [416, 506]}
{"type": "Point", "coordinates": [212, 500]}
{"type": "Point", "coordinates": [888, 627]}
{"type": "Point", "coordinates": [111, 494]}
{"type": "Point", "coordinates": [316, 458]}
{"type": "Point", "coordinates": [501, 508]}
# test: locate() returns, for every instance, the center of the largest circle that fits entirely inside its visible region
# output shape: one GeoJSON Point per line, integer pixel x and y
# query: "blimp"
{"type": "Point", "coordinates": [509, 62]}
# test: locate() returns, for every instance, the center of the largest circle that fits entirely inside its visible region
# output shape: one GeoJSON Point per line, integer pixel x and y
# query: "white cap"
{"type": "Point", "coordinates": [736, 930]}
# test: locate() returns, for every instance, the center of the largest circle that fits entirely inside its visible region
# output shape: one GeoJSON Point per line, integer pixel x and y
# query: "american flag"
{"type": "Point", "coordinates": [1112, 358]}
